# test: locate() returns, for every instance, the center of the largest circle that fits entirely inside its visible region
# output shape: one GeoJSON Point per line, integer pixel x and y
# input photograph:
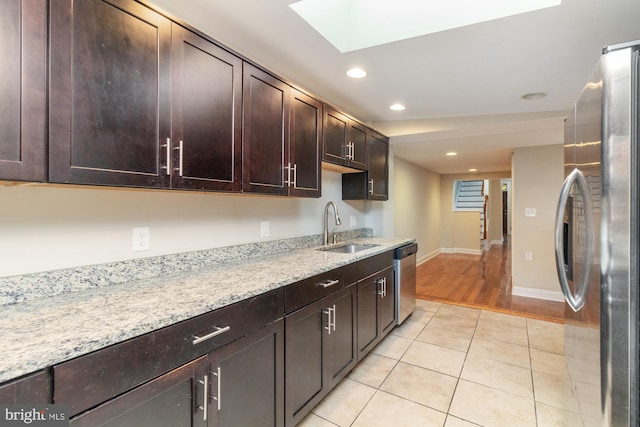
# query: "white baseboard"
{"type": "Point", "coordinates": [467, 251]}
{"type": "Point", "coordinates": [461, 251]}
{"type": "Point", "coordinates": [538, 293]}
{"type": "Point", "coordinates": [496, 242]}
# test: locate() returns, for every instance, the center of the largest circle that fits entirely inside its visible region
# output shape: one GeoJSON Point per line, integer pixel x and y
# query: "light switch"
{"type": "Point", "coordinates": [530, 212]}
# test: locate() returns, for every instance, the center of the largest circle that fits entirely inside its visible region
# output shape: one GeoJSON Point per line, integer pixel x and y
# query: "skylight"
{"type": "Point", "coordinates": [356, 24]}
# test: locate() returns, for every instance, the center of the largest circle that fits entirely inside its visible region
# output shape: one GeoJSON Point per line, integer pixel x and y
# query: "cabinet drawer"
{"type": "Point", "coordinates": [86, 381]}
{"type": "Point", "coordinates": [306, 291]}
{"type": "Point", "coordinates": [368, 266]}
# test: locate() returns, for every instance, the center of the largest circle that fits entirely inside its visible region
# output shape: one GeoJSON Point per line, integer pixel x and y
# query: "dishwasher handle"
{"type": "Point", "coordinates": [406, 251]}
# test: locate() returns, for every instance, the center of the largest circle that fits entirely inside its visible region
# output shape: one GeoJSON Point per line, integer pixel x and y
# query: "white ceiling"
{"type": "Point", "coordinates": [462, 87]}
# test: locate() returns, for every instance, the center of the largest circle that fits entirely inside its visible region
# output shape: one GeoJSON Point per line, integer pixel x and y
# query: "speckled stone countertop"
{"type": "Point", "coordinates": [42, 332]}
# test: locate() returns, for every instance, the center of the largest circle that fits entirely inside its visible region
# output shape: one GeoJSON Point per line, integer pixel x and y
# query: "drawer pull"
{"type": "Point", "coordinates": [218, 331]}
{"type": "Point", "coordinates": [328, 283]}
{"type": "Point", "coordinates": [205, 402]}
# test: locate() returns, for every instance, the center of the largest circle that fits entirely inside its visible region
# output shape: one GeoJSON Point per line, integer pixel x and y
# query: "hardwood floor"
{"type": "Point", "coordinates": [482, 281]}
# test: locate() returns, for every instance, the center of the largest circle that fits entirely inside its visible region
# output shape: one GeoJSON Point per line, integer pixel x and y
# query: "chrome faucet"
{"type": "Point", "coordinates": [325, 239]}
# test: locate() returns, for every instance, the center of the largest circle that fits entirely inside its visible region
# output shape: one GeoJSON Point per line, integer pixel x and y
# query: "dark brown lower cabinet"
{"type": "Point", "coordinates": [246, 379]}
{"type": "Point", "coordinates": [376, 309]}
{"type": "Point", "coordinates": [175, 399]}
{"type": "Point", "coordinates": [239, 384]}
{"type": "Point", "coordinates": [320, 350]}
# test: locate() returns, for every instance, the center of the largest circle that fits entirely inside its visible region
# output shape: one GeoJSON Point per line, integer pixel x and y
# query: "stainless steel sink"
{"type": "Point", "coordinates": [348, 248]}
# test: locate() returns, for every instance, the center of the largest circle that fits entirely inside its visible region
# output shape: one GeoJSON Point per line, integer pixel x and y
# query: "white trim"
{"type": "Point", "coordinates": [461, 251]}
{"type": "Point", "coordinates": [496, 242]}
{"type": "Point", "coordinates": [467, 251]}
{"type": "Point", "coordinates": [538, 293]}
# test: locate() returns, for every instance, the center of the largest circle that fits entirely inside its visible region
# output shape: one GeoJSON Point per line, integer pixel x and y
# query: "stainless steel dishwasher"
{"type": "Point", "coordinates": [405, 266]}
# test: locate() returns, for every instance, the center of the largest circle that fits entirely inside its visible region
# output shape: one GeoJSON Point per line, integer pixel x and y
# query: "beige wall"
{"type": "Point", "coordinates": [466, 232]}
{"type": "Point", "coordinates": [446, 191]}
{"type": "Point", "coordinates": [46, 228]}
{"type": "Point", "coordinates": [416, 204]}
{"type": "Point", "coordinates": [537, 177]}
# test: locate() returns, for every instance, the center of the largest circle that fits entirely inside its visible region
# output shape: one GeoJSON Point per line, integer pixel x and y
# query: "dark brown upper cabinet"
{"type": "Point", "coordinates": [345, 140]}
{"type": "Point", "coordinates": [281, 137]}
{"type": "Point", "coordinates": [206, 149]}
{"type": "Point", "coordinates": [265, 135]}
{"type": "Point", "coordinates": [110, 100]}
{"type": "Point", "coordinates": [374, 183]}
{"type": "Point", "coordinates": [305, 147]}
{"type": "Point", "coordinates": [378, 174]}
{"type": "Point", "coordinates": [23, 26]}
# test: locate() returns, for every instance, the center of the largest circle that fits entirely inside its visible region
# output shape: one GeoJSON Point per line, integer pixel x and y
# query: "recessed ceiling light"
{"type": "Point", "coordinates": [452, 153]}
{"type": "Point", "coordinates": [355, 24]}
{"type": "Point", "coordinates": [356, 73]}
{"type": "Point", "coordinates": [473, 170]}
{"type": "Point", "coordinates": [534, 96]}
{"type": "Point", "coordinates": [397, 107]}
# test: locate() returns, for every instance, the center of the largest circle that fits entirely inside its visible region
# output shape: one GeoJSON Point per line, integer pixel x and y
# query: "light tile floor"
{"type": "Point", "coordinates": [451, 366]}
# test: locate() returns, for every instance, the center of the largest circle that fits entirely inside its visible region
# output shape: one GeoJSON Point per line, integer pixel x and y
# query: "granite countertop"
{"type": "Point", "coordinates": [47, 331]}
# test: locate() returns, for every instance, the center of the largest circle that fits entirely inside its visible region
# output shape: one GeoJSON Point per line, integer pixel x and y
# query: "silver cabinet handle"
{"type": "Point", "coordinates": [576, 302]}
{"type": "Point", "coordinates": [334, 317]}
{"type": "Point", "coordinates": [382, 283]}
{"type": "Point", "coordinates": [371, 186]}
{"type": "Point", "coordinates": [289, 169]}
{"type": "Point", "coordinates": [328, 283]}
{"type": "Point", "coordinates": [218, 331]}
{"type": "Point", "coordinates": [331, 318]}
{"type": "Point", "coordinates": [167, 147]}
{"type": "Point", "coordinates": [352, 151]}
{"type": "Point", "coordinates": [181, 158]}
{"type": "Point", "coordinates": [218, 396]}
{"type": "Point", "coordinates": [205, 403]}
{"type": "Point", "coordinates": [295, 175]}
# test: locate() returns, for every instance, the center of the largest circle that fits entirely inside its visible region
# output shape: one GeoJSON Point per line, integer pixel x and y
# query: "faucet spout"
{"type": "Point", "coordinates": [325, 238]}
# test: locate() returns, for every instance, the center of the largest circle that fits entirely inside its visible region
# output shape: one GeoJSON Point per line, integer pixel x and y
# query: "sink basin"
{"type": "Point", "coordinates": [348, 248]}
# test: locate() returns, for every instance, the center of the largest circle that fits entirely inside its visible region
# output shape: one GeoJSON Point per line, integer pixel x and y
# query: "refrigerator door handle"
{"type": "Point", "coordinates": [576, 302]}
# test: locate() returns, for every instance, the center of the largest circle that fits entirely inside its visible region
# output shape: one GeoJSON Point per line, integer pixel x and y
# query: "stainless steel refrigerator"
{"type": "Point", "coordinates": [597, 242]}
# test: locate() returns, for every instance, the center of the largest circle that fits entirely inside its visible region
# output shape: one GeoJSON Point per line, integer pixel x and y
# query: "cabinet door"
{"type": "Point", "coordinates": [368, 323]}
{"type": "Point", "coordinates": [109, 98]}
{"type": "Point", "coordinates": [305, 132]}
{"type": "Point", "coordinates": [174, 399]}
{"type": "Point", "coordinates": [304, 349]}
{"type": "Point", "coordinates": [23, 28]}
{"type": "Point", "coordinates": [336, 134]}
{"type": "Point", "coordinates": [342, 354]}
{"type": "Point", "coordinates": [265, 136]}
{"type": "Point", "coordinates": [378, 167]}
{"type": "Point", "coordinates": [207, 114]}
{"type": "Point", "coordinates": [387, 301]}
{"type": "Point", "coordinates": [358, 141]}
{"type": "Point", "coordinates": [247, 380]}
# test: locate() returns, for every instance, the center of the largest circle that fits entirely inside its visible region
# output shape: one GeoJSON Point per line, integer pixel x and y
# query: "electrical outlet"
{"type": "Point", "coordinates": [352, 221]}
{"type": "Point", "coordinates": [264, 229]}
{"type": "Point", "coordinates": [530, 212]}
{"type": "Point", "coordinates": [141, 239]}
{"type": "Point", "coordinates": [528, 256]}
